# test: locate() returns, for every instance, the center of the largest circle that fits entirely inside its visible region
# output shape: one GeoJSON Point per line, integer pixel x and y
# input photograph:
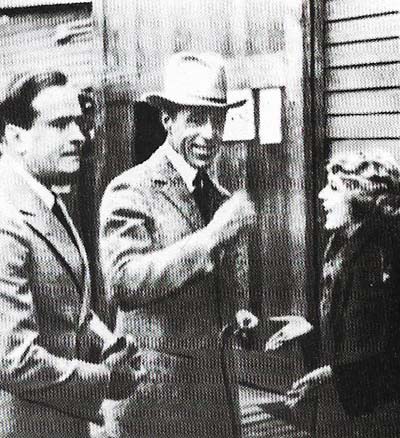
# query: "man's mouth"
{"type": "Point", "coordinates": [71, 154]}
{"type": "Point", "coordinates": [327, 210]}
{"type": "Point", "coordinates": [201, 150]}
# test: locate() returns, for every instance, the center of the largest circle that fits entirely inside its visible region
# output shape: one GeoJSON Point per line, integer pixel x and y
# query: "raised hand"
{"type": "Point", "coordinates": [235, 216]}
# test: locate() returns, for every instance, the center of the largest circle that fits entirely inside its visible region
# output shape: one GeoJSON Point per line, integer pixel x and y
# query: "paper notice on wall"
{"type": "Point", "coordinates": [240, 124]}
{"type": "Point", "coordinates": [270, 129]}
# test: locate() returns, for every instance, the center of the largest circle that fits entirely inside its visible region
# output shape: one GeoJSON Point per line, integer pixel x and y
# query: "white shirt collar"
{"type": "Point", "coordinates": [185, 170]}
{"type": "Point", "coordinates": [43, 192]}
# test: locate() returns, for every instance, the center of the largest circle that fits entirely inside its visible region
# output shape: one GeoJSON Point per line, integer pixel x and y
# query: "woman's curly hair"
{"type": "Point", "coordinates": [373, 178]}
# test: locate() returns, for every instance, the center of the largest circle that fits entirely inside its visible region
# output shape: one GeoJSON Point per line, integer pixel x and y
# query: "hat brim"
{"type": "Point", "coordinates": [161, 101]}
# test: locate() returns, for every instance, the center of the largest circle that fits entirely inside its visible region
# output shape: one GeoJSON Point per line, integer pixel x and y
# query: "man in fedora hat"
{"type": "Point", "coordinates": [171, 259]}
{"type": "Point", "coordinates": [58, 361]}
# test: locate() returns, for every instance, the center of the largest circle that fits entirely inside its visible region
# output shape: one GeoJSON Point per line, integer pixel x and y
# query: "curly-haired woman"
{"type": "Point", "coordinates": [358, 379]}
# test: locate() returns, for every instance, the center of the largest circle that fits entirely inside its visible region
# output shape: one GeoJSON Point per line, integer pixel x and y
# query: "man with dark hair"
{"type": "Point", "coordinates": [170, 252]}
{"type": "Point", "coordinates": [58, 361]}
{"type": "Point", "coordinates": [17, 107]}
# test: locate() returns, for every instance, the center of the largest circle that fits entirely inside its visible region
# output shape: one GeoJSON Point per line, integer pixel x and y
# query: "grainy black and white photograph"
{"type": "Point", "coordinates": [200, 219]}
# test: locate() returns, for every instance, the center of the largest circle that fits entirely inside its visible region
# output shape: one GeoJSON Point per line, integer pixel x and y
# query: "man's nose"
{"type": "Point", "coordinates": [208, 129]}
{"type": "Point", "coordinates": [76, 133]}
{"type": "Point", "coordinates": [321, 194]}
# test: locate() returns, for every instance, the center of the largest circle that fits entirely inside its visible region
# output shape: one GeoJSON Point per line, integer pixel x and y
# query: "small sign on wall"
{"type": "Point", "coordinates": [270, 111]}
{"type": "Point", "coordinates": [240, 121]}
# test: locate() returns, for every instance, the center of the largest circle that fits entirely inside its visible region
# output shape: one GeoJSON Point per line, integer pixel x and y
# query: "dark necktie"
{"type": "Point", "coordinates": [204, 195]}
{"type": "Point", "coordinates": [58, 212]}
{"type": "Point", "coordinates": [208, 199]}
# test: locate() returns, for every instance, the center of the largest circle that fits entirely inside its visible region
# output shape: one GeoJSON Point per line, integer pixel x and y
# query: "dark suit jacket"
{"type": "Point", "coordinates": [48, 387]}
{"type": "Point", "coordinates": [362, 287]}
{"type": "Point", "coordinates": [145, 211]}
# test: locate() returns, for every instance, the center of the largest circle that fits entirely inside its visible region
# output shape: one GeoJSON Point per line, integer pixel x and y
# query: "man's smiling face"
{"type": "Point", "coordinates": [196, 133]}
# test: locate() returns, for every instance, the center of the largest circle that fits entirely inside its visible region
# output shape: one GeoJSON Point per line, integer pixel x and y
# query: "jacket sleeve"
{"type": "Point", "coordinates": [28, 370]}
{"type": "Point", "coordinates": [137, 269]}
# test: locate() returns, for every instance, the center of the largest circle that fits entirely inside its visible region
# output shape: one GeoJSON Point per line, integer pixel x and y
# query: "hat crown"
{"type": "Point", "coordinates": [193, 79]}
{"type": "Point", "coordinates": [190, 76]}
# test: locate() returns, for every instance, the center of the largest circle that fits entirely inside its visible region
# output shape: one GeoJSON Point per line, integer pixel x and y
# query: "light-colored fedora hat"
{"type": "Point", "coordinates": [193, 79]}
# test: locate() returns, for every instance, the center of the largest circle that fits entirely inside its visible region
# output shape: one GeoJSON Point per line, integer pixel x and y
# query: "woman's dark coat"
{"type": "Point", "coordinates": [360, 333]}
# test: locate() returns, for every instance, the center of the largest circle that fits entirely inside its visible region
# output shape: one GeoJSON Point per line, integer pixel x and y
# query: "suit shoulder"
{"type": "Point", "coordinates": [130, 190]}
{"type": "Point", "coordinates": [10, 216]}
{"type": "Point", "coordinates": [12, 224]}
{"type": "Point", "coordinates": [135, 178]}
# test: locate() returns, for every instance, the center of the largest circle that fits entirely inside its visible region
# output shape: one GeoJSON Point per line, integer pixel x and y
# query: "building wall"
{"type": "Point", "coordinates": [363, 75]}
{"type": "Point", "coordinates": [31, 40]}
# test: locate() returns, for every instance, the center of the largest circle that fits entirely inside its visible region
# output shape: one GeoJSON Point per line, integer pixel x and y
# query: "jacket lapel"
{"type": "Point", "coordinates": [168, 182]}
{"type": "Point", "coordinates": [46, 225]}
{"type": "Point", "coordinates": [42, 222]}
{"type": "Point", "coordinates": [85, 280]}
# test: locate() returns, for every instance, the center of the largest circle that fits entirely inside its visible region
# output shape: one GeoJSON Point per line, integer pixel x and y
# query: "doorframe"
{"type": "Point", "coordinates": [316, 152]}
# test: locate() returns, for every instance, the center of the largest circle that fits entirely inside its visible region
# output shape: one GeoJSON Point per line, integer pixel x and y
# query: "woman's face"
{"type": "Point", "coordinates": [336, 200]}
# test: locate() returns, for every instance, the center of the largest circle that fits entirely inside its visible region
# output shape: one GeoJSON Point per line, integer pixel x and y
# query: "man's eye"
{"type": "Point", "coordinates": [63, 123]}
{"type": "Point", "coordinates": [59, 123]}
{"type": "Point", "coordinates": [197, 119]}
{"type": "Point", "coordinates": [333, 187]}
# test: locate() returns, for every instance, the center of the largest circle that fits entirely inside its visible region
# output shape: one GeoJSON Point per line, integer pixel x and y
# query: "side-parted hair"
{"type": "Point", "coordinates": [16, 108]}
{"type": "Point", "coordinates": [374, 180]}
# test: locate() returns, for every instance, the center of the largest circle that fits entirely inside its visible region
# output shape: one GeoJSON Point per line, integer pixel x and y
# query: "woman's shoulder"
{"type": "Point", "coordinates": [379, 253]}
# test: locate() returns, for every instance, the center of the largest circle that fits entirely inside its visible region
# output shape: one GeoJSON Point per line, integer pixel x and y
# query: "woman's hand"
{"type": "Point", "coordinates": [295, 327]}
{"type": "Point", "coordinates": [306, 386]}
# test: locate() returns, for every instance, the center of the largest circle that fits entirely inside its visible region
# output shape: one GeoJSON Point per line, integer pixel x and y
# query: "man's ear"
{"type": "Point", "coordinates": [15, 136]}
{"type": "Point", "coordinates": [166, 120]}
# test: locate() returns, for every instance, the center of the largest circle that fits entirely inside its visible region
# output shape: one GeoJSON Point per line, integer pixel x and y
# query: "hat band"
{"type": "Point", "coordinates": [174, 97]}
{"type": "Point", "coordinates": [213, 99]}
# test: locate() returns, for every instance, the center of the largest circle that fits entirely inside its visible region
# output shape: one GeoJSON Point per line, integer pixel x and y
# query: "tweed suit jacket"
{"type": "Point", "coordinates": [145, 214]}
{"type": "Point", "coordinates": [47, 386]}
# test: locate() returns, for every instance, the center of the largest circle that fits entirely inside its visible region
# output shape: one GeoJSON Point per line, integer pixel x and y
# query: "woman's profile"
{"type": "Point", "coordinates": [357, 380]}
